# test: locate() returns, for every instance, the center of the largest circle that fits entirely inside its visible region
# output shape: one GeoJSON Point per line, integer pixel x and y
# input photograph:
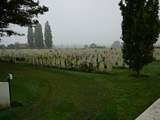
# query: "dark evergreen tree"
{"type": "Point", "coordinates": [48, 35]}
{"type": "Point", "coordinates": [30, 37]}
{"type": "Point", "coordinates": [39, 43]}
{"type": "Point", "coordinates": [140, 30]}
{"type": "Point", "coordinates": [21, 12]}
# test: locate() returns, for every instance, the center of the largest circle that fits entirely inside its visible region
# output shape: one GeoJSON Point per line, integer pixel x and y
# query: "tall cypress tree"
{"type": "Point", "coordinates": [48, 35]}
{"type": "Point", "coordinates": [30, 37]}
{"type": "Point", "coordinates": [39, 43]}
{"type": "Point", "coordinates": [139, 31]}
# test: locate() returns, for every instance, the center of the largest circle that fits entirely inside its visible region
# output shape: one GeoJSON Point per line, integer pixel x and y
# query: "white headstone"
{"type": "Point", "coordinates": [4, 95]}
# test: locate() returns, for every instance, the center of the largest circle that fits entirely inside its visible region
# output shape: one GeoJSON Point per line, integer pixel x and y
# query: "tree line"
{"type": "Point", "coordinates": [38, 40]}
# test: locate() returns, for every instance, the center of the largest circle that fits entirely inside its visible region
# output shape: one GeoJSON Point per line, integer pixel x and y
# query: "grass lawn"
{"type": "Point", "coordinates": [53, 94]}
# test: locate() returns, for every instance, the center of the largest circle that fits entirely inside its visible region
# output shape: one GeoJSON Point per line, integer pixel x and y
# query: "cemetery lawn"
{"type": "Point", "coordinates": [54, 94]}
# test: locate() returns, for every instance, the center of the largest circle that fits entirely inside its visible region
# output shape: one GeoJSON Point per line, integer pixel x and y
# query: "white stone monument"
{"type": "Point", "coordinates": [4, 95]}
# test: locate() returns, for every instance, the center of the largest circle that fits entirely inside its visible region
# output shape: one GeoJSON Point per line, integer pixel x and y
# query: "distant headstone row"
{"type": "Point", "coordinates": [96, 60]}
{"type": "Point", "coordinates": [91, 60]}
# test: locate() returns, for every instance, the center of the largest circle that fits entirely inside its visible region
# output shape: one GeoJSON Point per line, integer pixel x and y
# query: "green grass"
{"type": "Point", "coordinates": [53, 94]}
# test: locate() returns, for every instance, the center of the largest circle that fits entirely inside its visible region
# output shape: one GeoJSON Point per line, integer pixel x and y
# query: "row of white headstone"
{"type": "Point", "coordinates": [100, 60]}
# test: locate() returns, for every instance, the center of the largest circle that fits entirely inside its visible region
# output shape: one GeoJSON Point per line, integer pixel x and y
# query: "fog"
{"type": "Point", "coordinates": [79, 22]}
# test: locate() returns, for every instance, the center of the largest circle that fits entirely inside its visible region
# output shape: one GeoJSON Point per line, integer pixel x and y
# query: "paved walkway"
{"type": "Point", "coordinates": [152, 113]}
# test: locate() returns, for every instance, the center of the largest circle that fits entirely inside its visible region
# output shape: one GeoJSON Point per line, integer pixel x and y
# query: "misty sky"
{"type": "Point", "coordinates": [79, 22]}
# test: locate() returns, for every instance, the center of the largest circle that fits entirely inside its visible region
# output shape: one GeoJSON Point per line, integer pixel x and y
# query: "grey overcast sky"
{"type": "Point", "coordinates": [79, 22]}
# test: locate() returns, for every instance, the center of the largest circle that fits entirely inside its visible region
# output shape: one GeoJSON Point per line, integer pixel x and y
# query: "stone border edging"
{"type": "Point", "coordinates": [152, 113]}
